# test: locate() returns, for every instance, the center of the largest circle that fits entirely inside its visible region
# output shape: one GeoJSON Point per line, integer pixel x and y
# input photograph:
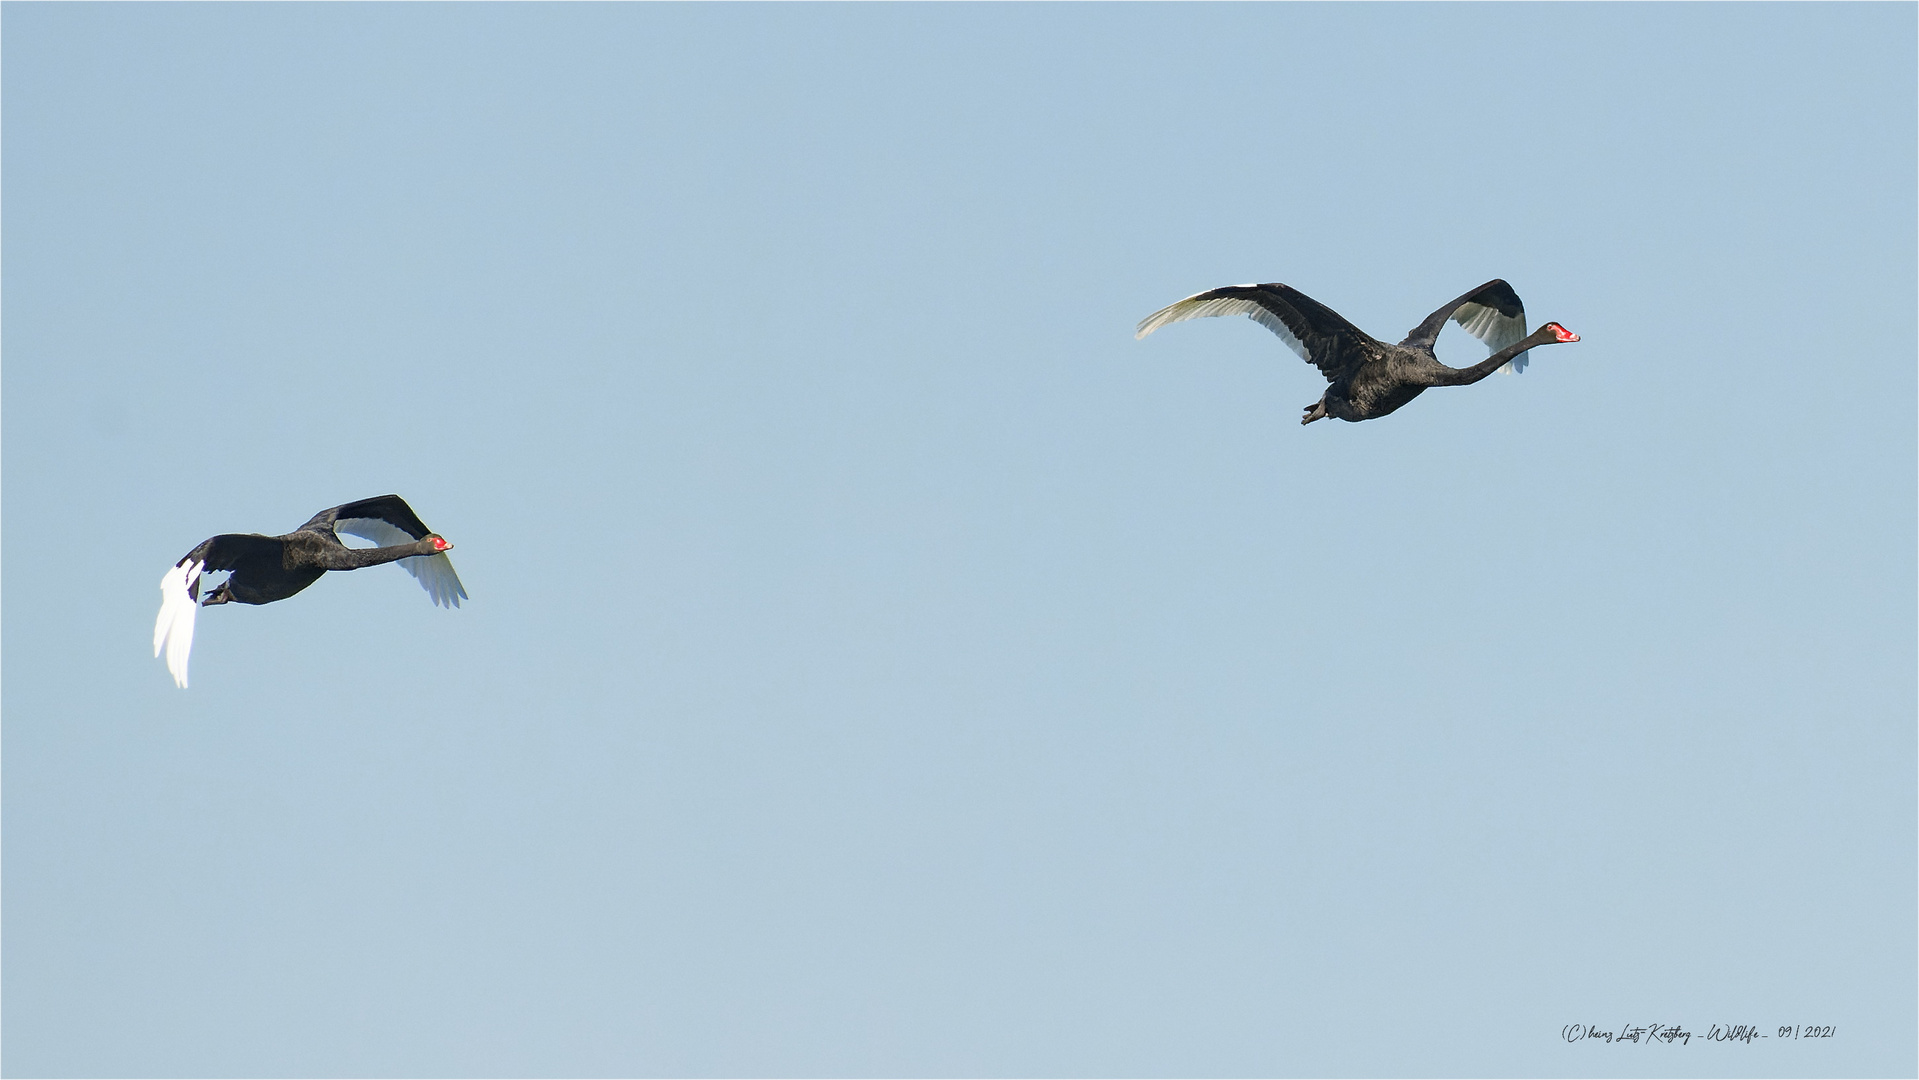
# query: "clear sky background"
{"type": "Point", "coordinates": [880, 663]}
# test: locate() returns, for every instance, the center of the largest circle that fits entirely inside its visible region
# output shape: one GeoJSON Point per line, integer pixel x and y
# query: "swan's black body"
{"type": "Point", "coordinates": [269, 568]}
{"type": "Point", "coordinates": [1370, 378]}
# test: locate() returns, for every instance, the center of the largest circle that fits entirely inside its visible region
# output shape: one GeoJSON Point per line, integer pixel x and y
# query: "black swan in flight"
{"type": "Point", "coordinates": [269, 568]}
{"type": "Point", "coordinates": [1371, 378]}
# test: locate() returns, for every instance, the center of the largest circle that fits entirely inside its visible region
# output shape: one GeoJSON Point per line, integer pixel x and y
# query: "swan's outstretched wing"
{"type": "Point", "coordinates": [388, 521]}
{"type": "Point", "coordinates": [1317, 333]}
{"type": "Point", "coordinates": [180, 591]}
{"type": "Point", "coordinates": [1492, 313]}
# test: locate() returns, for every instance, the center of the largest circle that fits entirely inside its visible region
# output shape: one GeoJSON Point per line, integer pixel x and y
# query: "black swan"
{"type": "Point", "coordinates": [269, 568]}
{"type": "Point", "coordinates": [1371, 378]}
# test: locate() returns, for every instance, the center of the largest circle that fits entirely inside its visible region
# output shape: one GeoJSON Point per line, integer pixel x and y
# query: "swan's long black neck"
{"type": "Point", "coordinates": [309, 549]}
{"type": "Point", "coordinates": [1467, 376]}
{"type": "Point", "coordinates": [354, 558]}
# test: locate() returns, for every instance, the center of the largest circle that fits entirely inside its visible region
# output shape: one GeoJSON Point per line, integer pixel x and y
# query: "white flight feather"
{"type": "Point", "coordinates": [433, 572]}
{"type": "Point", "coordinates": [1497, 331]}
{"type": "Point", "coordinates": [1190, 308]}
{"type": "Point", "coordinates": [173, 630]}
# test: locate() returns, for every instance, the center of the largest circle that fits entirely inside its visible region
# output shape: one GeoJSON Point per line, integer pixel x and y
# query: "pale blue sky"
{"type": "Point", "coordinates": [880, 663]}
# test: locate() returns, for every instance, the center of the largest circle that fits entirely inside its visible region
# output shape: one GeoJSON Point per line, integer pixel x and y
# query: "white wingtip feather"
{"type": "Point", "coordinates": [174, 628]}
{"type": "Point", "coordinates": [1190, 308]}
{"type": "Point", "coordinates": [435, 575]}
{"type": "Point", "coordinates": [1496, 331]}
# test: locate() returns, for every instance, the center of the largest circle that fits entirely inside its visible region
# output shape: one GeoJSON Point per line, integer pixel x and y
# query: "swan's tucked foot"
{"type": "Point", "coordinates": [1315, 411]}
